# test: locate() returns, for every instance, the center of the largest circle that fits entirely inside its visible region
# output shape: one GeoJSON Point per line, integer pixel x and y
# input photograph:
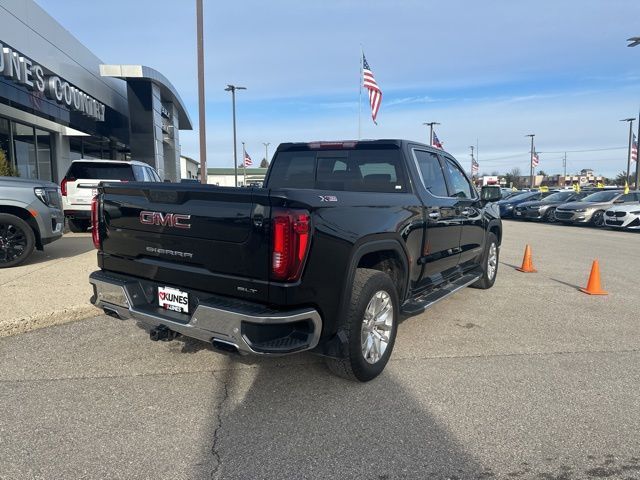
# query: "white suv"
{"type": "Point", "coordinates": [82, 179]}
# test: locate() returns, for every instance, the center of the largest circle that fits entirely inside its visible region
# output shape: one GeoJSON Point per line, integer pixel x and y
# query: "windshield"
{"type": "Point", "coordinates": [100, 171]}
{"type": "Point", "coordinates": [601, 197]}
{"type": "Point", "coordinates": [521, 196]}
{"type": "Point", "coordinates": [558, 197]}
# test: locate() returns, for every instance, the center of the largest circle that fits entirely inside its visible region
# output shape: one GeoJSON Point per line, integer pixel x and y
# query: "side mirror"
{"type": "Point", "coordinates": [490, 194]}
{"type": "Point", "coordinates": [619, 201]}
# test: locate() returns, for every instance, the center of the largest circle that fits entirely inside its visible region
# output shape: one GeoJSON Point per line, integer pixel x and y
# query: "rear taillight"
{"type": "Point", "coordinates": [95, 223]}
{"type": "Point", "coordinates": [63, 187]}
{"type": "Point", "coordinates": [291, 237]}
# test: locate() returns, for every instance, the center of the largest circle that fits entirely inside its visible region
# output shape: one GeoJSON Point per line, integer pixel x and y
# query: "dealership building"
{"type": "Point", "coordinates": [59, 102]}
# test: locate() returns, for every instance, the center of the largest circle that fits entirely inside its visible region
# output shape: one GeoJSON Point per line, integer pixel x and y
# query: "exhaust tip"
{"type": "Point", "coordinates": [111, 313]}
{"type": "Point", "coordinates": [224, 346]}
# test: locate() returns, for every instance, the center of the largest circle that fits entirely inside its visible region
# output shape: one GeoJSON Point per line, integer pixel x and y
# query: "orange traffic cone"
{"type": "Point", "coordinates": [527, 264]}
{"type": "Point", "coordinates": [593, 286]}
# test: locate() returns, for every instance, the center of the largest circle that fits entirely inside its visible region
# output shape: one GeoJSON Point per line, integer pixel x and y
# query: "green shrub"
{"type": "Point", "coordinates": [6, 168]}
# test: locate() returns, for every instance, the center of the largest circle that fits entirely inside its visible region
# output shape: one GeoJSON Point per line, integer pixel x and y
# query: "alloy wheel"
{"type": "Point", "coordinates": [13, 242]}
{"type": "Point", "coordinates": [376, 326]}
{"type": "Point", "coordinates": [492, 261]}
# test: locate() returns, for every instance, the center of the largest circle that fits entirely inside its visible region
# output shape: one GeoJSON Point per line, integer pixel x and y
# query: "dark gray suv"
{"type": "Point", "coordinates": [30, 217]}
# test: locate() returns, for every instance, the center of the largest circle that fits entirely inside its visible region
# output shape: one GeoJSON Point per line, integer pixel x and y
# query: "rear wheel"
{"type": "Point", "coordinates": [489, 263]}
{"type": "Point", "coordinates": [17, 240]}
{"type": "Point", "coordinates": [597, 220]}
{"type": "Point", "coordinates": [78, 226]}
{"type": "Point", "coordinates": [370, 326]}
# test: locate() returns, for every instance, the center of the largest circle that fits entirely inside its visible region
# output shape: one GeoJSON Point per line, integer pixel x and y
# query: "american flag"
{"type": "Point", "coordinates": [247, 160]}
{"type": "Point", "coordinates": [435, 142]}
{"type": "Point", "coordinates": [375, 94]}
{"type": "Point", "coordinates": [535, 159]}
{"type": "Point", "coordinates": [475, 167]}
{"type": "Point", "coordinates": [634, 149]}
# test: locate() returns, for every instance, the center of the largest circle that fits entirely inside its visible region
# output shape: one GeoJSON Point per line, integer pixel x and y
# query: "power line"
{"type": "Point", "coordinates": [520, 155]}
{"type": "Point", "coordinates": [582, 151]}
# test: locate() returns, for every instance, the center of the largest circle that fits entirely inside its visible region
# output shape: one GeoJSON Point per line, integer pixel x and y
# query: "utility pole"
{"type": "Point", "coordinates": [431, 124]}
{"type": "Point", "coordinates": [266, 151]}
{"type": "Point", "coordinates": [232, 89]}
{"type": "Point", "coordinates": [531, 160]}
{"type": "Point", "coordinates": [564, 165]}
{"type": "Point", "coordinates": [628, 172]}
{"type": "Point", "coordinates": [201, 109]}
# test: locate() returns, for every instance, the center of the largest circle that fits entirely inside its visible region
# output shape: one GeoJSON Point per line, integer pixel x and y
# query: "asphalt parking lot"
{"type": "Point", "coordinates": [531, 379]}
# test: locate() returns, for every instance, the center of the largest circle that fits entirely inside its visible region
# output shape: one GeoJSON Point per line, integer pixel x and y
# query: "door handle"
{"type": "Point", "coordinates": [434, 215]}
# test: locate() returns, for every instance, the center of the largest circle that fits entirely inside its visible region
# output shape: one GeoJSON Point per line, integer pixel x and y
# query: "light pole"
{"type": "Point", "coordinates": [634, 42]}
{"type": "Point", "coordinates": [266, 151]}
{"type": "Point", "coordinates": [201, 111]}
{"type": "Point", "coordinates": [232, 89]}
{"type": "Point", "coordinates": [531, 161]}
{"type": "Point", "coordinates": [431, 124]}
{"type": "Point", "coordinates": [630, 121]}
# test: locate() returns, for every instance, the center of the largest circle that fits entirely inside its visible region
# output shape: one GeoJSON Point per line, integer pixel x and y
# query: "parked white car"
{"type": "Point", "coordinates": [623, 216]}
{"type": "Point", "coordinates": [80, 184]}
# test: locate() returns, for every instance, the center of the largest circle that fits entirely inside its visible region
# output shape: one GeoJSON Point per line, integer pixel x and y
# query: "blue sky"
{"type": "Point", "coordinates": [492, 71]}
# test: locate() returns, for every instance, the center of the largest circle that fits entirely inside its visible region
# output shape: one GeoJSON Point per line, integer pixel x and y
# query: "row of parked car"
{"type": "Point", "coordinates": [599, 208]}
{"type": "Point", "coordinates": [33, 212]}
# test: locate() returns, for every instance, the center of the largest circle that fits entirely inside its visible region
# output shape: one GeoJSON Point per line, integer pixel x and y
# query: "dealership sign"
{"type": "Point", "coordinates": [25, 71]}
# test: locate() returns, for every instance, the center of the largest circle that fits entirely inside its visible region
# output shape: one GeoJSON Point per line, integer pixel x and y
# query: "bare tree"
{"type": "Point", "coordinates": [513, 177]}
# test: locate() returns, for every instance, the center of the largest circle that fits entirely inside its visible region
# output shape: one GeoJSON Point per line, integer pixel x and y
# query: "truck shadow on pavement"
{"type": "Point", "coordinates": [298, 421]}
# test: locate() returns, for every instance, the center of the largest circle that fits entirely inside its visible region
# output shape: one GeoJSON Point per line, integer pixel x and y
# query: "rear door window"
{"type": "Point", "coordinates": [139, 173]}
{"type": "Point", "coordinates": [100, 171]}
{"type": "Point", "coordinates": [431, 173]}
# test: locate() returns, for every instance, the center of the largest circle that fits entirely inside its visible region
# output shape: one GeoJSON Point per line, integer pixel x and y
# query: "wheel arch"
{"type": "Point", "coordinates": [496, 228]}
{"type": "Point", "coordinates": [25, 215]}
{"type": "Point", "coordinates": [384, 254]}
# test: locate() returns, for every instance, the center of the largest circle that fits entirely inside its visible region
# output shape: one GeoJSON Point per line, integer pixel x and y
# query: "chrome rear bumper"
{"type": "Point", "coordinates": [214, 319]}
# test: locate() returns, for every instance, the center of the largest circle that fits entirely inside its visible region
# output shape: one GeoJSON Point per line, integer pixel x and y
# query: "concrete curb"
{"type": "Point", "coordinates": [14, 326]}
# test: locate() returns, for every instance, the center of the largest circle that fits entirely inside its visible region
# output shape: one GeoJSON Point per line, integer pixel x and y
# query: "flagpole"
{"type": "Point", "coordinates": [360, 95]}
{"type": "Point", "coordinates": [244, 164]}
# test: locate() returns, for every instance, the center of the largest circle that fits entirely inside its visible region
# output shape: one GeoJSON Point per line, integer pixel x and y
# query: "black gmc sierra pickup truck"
{"type": "Point", "coordinates": [344, 238]}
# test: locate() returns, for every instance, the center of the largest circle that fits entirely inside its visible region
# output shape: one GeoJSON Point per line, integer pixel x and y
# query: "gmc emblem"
{"type": "Point", "coordinates": [175, 220]}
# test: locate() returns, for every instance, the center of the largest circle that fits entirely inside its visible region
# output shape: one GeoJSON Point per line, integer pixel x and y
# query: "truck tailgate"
{"type": "Point", "coordinates": [196, 236]}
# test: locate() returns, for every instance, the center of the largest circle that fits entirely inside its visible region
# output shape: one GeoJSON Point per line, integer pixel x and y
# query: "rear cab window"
{"type": "Point", "coordinates": [100, 171]}
{"type": "Point", "coordinates": [356, 170]}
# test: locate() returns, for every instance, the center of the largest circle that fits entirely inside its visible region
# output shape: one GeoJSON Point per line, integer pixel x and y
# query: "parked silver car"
{"type": "Point", "coordinates": [592, 207]}
{"type": "Point", "coordinates": [30, 217]}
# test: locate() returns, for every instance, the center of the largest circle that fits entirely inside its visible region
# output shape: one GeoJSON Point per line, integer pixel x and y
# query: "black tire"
{"type": "Point", "coordinates": [550, 216]}
{"type": "Point", "coordinates": [487, 280]}
{"type": "Point", "coordinates": [17, 240]}
{"type": "Point", "coordinates": [597, 219]}
{"type": "Point", "coordinates": [78, 226]}
{"type": "Point", "coordinates": [366, 284]}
